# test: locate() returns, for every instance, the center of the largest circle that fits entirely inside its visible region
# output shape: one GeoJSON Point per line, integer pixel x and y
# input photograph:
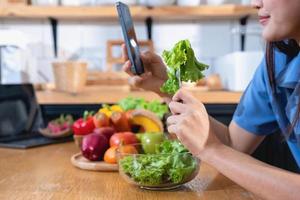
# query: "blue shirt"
{"type": "Point", "coordinates": [262, 113]}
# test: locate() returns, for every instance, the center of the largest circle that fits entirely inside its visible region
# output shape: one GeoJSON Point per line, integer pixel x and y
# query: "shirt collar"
{"type": "Point", "coordinates": [289, 75]}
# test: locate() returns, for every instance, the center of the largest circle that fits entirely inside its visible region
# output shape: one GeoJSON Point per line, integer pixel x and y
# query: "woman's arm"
{"type": "Point", "coordinates": [262, 179]}
{"type": "Point", "coordinates": [193, 127]}
{"type": "Point", "coordinates": [255, 176]}
{"type": "Point", "coordinates": [235, 137]}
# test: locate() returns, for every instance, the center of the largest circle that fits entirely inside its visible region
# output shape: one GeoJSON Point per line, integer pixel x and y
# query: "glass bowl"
{"type": "Point", "coordinates": [157, 171]}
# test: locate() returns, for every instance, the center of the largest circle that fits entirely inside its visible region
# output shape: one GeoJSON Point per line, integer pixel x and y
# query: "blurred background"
{"type": "Point", "coordinates": [219, 30]}
{"type": "Point", "coordinates": [39, 38]}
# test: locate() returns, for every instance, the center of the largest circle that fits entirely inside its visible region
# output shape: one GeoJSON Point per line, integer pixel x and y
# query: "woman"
{"type": "Point", "coordinates": [270, 103]}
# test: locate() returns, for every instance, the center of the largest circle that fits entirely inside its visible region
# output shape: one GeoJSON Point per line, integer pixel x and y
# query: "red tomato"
{"type": "Point", "coordinates": [100, 120]}
{"type": "Point", "coordinates": [120, 121]}
{"type": "Point", "coordinates": [110, 155]}
{"type": "Point", "coordinates": [123, 138]}
{"type": "Point", "coordinates": [130, 138]}
{"type": "Point", "coordinates": [128, 149]}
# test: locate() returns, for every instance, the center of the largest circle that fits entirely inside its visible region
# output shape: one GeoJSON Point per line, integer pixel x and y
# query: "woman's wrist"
{"type": "Point", "coordinates": [207, 155]}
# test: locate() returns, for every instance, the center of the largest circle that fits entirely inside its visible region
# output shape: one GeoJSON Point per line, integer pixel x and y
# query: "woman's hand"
{"type": "Point", "coordinates": [155, 71]}
{"type": "Point", "coordinates": [190, 122]}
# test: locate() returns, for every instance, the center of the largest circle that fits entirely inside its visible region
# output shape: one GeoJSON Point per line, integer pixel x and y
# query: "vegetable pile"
{"type": "Point", "coordinates": [156, 107]}
{"type": "Point", "coordinates": [172, 163]}
{"type": "Point", "coordinates": [181, 57]}
{"type": "Point", "coordinates": [133, 129]}
{"type": "Point", "coordinates": [60, 124]}
{"type": "Point", "coordinates": [102, 132]}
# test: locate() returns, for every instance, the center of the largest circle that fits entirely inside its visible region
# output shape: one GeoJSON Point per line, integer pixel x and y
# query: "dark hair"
{"type": "Point", "coordinates": [291, 49]}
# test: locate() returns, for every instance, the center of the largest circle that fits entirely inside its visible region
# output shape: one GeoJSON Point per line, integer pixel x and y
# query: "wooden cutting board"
{"type": "Point", "coordinates": [81, 162]}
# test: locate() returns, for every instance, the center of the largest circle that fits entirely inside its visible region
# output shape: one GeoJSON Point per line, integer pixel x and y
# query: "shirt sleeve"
{"type": "Point", "coordinates": [254, 112]}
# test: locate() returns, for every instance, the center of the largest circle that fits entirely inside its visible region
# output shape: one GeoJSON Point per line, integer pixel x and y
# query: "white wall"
{"type": "Point", "coordinates": [87, 39]}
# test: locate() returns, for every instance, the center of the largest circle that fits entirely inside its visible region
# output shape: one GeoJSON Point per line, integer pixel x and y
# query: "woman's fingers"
{"type": "Point", "coordinates": [138, 80]}
{"type": "Point", "coordinates": [135, 81]}
{"type": "Point", "coordinates": [124, 53]}
{"type": "Point", "coordinates": [174, 119]}
{"type": "Point", "coordinates": [177, 108]}
{"type": "Point", "coordinates": [183, 95]}
{"type": "Point", "coordinates": [127, 68]}
{"type": "Point", "coordinates": [147, 57]}
{"type": "Point", "coordinates": [167, 100]}
{"type": "Point", "coordinates": [127, 65]}
{"type": "Point", "coordinates": [173, 129]}
{"type": "Point", "coordinates": [146, 75]}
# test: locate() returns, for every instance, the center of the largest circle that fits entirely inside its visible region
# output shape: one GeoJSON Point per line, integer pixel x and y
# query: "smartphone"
{"type": "Point", "coordinates": [131, 43]}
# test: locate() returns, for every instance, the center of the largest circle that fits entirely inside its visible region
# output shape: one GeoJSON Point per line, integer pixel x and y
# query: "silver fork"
{"type": "Point", "coordinates": [178, 77]}
{"type": "Point", "coordinates": [177, 74]}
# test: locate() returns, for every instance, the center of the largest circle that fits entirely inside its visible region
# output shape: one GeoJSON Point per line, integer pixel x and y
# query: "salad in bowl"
{"type": "Point", "coordinates": [168, 168]}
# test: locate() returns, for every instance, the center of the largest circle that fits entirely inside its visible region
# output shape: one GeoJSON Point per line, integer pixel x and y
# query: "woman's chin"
{"type": "Point", "coordinates": [273, 34]}
{"type": "Point", "coordinates": [270, 36]}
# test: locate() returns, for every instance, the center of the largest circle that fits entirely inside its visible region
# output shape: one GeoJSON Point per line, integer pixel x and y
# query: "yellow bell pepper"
{"type": "Point", "coordinates": [108, 110]}
{"type": "Point", "coordinates": [147, 124]}
{"type": "Point", "coordinates": [116, 108]}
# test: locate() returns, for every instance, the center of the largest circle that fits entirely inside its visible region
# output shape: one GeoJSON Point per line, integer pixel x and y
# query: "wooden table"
{"type": "Point", "coordinates": [47, 173]}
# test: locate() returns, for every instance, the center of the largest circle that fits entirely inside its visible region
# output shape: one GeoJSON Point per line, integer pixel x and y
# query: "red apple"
{"type": "Point", "coordinates": [123, 138]}
{"type": "Point", "coordinates": [106, 131]}
{"type": "Point", "coordinates": [94, 146]}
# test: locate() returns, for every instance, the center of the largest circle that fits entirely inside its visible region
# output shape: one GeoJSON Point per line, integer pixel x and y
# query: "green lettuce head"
{"type": "Point", "coordinates": [181, 57]}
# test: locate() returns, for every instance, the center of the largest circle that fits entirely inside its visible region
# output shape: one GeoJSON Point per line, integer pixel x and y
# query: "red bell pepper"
{"type": "Point", "coordinates": [85, 125]}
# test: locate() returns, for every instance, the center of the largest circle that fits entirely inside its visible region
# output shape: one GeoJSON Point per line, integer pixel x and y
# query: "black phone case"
{"type": "Point", "coordinates": [133, 52]}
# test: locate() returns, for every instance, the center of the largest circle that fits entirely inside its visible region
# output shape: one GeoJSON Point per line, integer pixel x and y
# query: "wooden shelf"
{"type": "Point", "coordinates": [138, 12]}
{"type": "Point", "coordinates": [201, 12]}
{"type": "Point", "coordinates": [61, 12]}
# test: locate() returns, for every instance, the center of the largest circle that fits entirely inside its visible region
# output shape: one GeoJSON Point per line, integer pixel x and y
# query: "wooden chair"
{"type": "Point", "coordinates": [111, 60]}
{"type": "Point", "coordinates": [110, 76]}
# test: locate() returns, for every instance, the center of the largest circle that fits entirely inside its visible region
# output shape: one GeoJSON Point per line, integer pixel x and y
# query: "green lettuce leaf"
{"type": "Point", "coordinates": [171, 147]}
{"type": "Point", "coordinates": [181, 57]}
{"type": "Point", "coordinates": [155, 106]}
{"type": "Point", "coordinates": [172, 164]}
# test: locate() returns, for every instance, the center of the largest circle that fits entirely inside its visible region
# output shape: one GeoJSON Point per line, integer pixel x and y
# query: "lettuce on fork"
{"type": "Point", "coordinates": [181, 57]}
